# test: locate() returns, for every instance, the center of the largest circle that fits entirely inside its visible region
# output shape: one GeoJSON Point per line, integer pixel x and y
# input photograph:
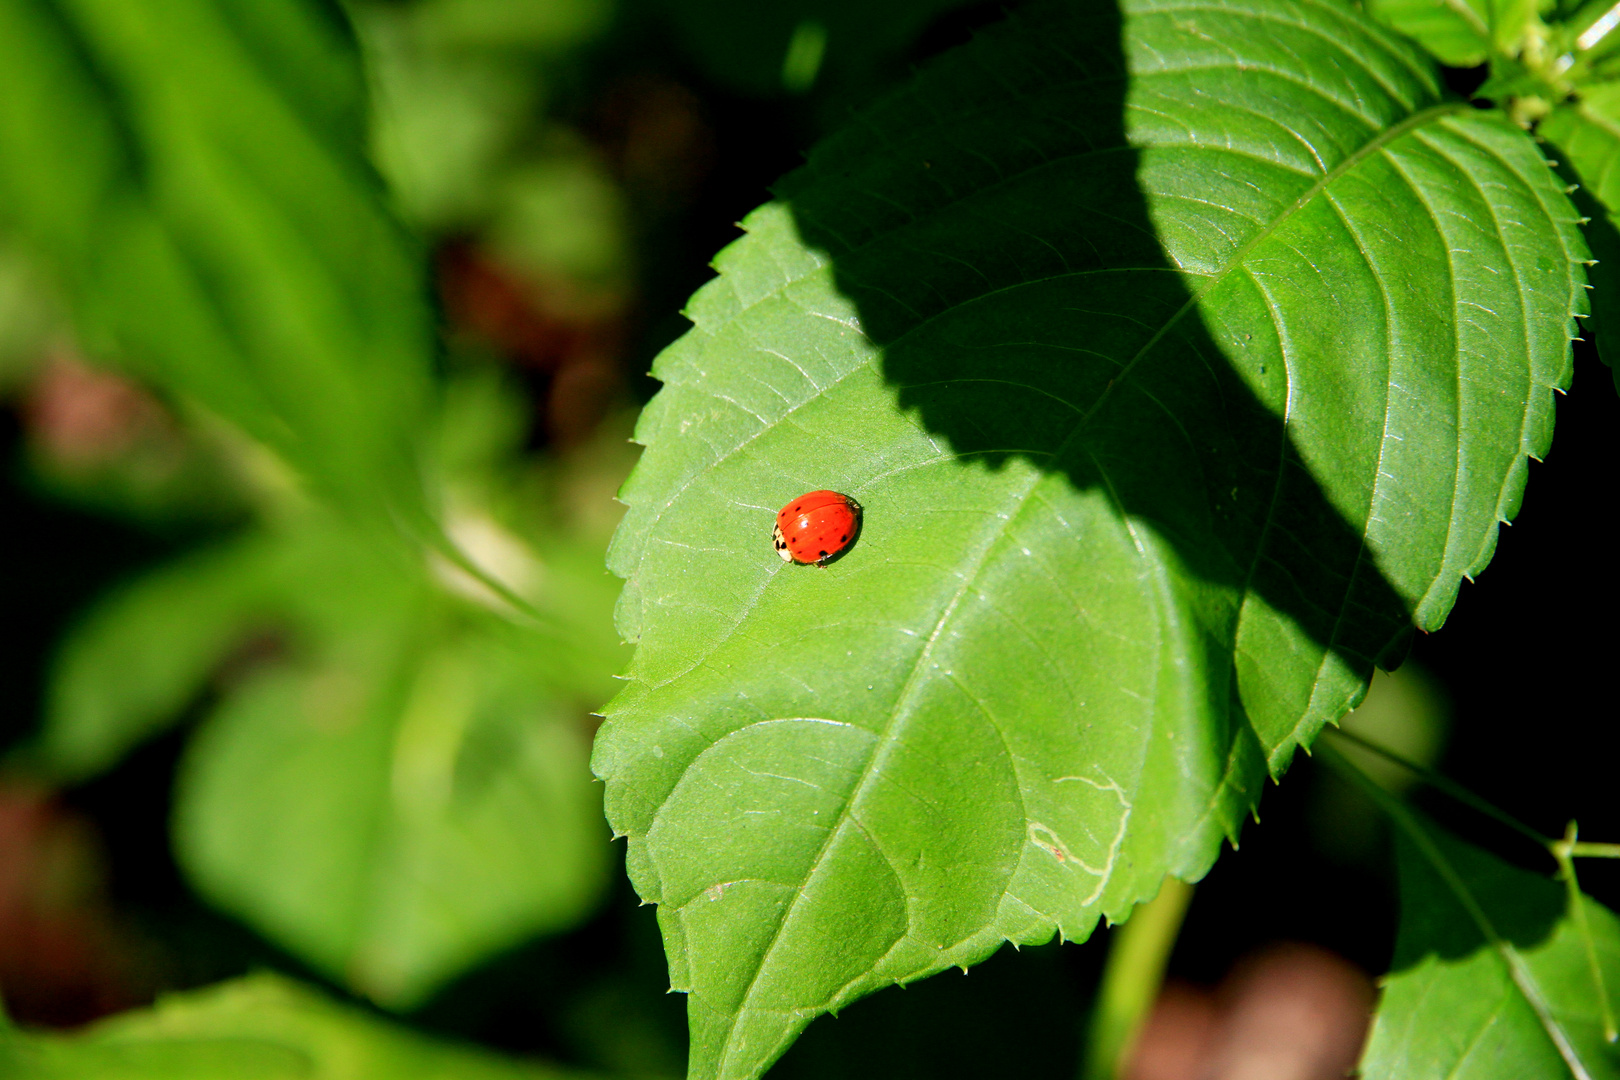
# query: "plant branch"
{"type": "Point", "coordinates": [1131, 980]}
{"type": "Point", "coordinates": [1448, 787]}
{"type": "Point", "coordinates": [1564, 851]}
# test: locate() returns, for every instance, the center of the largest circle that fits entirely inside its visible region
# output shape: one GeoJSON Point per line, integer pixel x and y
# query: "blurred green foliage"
{"type": "Point", "coordinates": [215, 225]}
{"type": "Point", "coordinates": [392, 782]}
{"type": "Point", "coordinates": [388, 773]}
{"type": "Point", "coordinates": [258, 1028]}
{"type": "Point", "coordinates": [27, 318]}
{"type": "Point", "coordinates": [846, 49]}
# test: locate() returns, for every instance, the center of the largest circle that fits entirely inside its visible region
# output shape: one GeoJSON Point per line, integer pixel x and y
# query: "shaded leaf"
{"type": "Point", "coordinates": [259, 1028]}
{"type": "Point", "coordinates": [202, 194]}
{"type": "Point", "coordinates": [1491, 976]}
{"type": "Point", "coordinates": [1180, 366]}
{"type": "Point", "coordinates": [1587, 135]}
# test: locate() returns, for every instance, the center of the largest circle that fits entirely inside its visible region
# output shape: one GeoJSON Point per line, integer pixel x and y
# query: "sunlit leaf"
{"type": "Point", "coordinates": [1461, 33]}
{"type": "Point", "coordinates": [1491, 978]}
{"type": "Point", "coordinates": [1181, 367]}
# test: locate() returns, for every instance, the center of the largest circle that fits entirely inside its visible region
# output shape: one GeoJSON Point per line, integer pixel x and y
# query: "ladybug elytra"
{"type": "Point", "coordinates": [817, 527]}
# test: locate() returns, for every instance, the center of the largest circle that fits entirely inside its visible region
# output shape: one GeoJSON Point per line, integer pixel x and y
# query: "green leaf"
{"type": "Point", "coordinates": [193, 172]}
{"type": "Point", "coordinates": [392, 783]}
{"type": "Point", "coordinates": [145, 653]}
{"type": "Point", "coordinates": [1491, 976]}
{"type": "Point", "coordinates": [28, 317]}
{"type": "Point", "coordinates": [1181, 366]}
{"type": "Point", "coordinates": [1587, 135]}
{"type": "Point", "coordinates": [407, 792]}
{"type": "Point", "coordinates": [1463, 33]}
{"type": "Point", "coordinates": [260, 1028]}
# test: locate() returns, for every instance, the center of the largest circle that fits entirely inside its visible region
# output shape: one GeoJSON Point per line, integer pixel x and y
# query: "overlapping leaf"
{"type": "Point", "coordinates": [1180, 365]}
{"type": "Point", "coordinates": [1492, 976]}
{"type": "Point", "coordinates": [1461, 33]}
{"type": "Point", "coordinates": [1587, 135]}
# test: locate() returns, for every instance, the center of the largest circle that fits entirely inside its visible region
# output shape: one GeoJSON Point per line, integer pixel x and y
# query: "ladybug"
{"type": "Point", "coordinates": [817, 527]}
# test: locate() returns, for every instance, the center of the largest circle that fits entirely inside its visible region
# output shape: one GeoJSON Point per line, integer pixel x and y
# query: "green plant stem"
{"type": "Point", "coordinates": [1131, 980]}
{"type": "Point", "coordinates": [1564, 851]}
{"type": "Point", "coordinates": [1447, 787]}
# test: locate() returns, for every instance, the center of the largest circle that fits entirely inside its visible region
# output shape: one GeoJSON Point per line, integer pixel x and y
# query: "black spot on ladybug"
{"type": "Point", "coordinates": [841, 539]}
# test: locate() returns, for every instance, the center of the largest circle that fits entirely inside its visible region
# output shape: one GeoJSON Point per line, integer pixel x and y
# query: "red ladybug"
{"type": "Point", "coordinates": [817, 527]}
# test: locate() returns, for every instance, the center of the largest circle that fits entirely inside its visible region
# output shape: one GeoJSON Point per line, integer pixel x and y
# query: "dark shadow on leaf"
{"type": "Point", "coordinates": [1007, 265]}
{"type": "Point", "coordinates": [1523, 908]}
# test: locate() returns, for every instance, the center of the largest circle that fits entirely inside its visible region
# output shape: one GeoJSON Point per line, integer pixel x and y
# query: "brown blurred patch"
{"type": "Point", "coordinates": [1289, 1012]}
{"type": "Point", "coordinates": [84, 417]}
{"type": "Point", "coordinates": [568, 349]}
{"type": "Point", "coordinates": [61, 960]}
{"type": "Point", "coordinates": [1177, 1038]}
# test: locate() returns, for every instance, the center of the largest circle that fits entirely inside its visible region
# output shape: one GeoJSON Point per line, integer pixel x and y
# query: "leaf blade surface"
{"type": "Point", "coordinates": [1147, 349]}
{"type": "Point", "coordinates": [1460, 1004]}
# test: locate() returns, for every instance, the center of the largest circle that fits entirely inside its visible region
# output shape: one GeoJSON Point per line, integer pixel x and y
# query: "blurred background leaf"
{"type": "Point", "coordinates": [215, 224]}
{"type": "Point", "coordinates": [28, 317]}
{"type": "Point", "coordinates": [392, 781]}
{"type": "Point", "coordinates": [258, 1028]}
{"type": "Point", "coordinates": [388, 777]}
